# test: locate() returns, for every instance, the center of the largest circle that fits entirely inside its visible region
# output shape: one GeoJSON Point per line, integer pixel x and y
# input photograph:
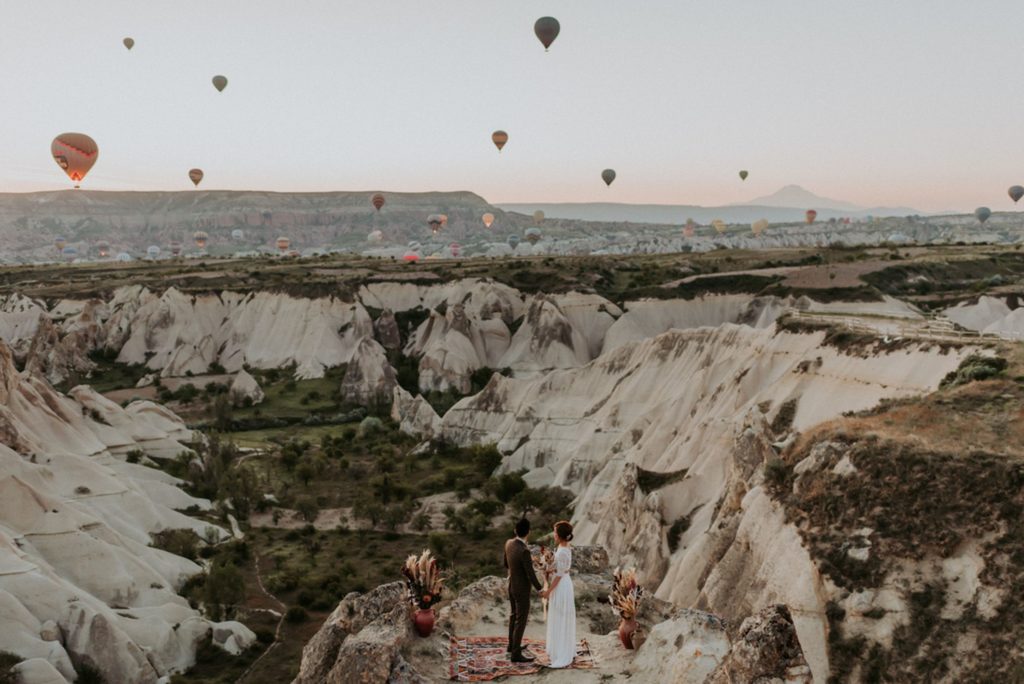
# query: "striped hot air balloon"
{"type": "Point", "coordinates": [75, 153]}
{"type": "Point", "coordinates": [377, 201]}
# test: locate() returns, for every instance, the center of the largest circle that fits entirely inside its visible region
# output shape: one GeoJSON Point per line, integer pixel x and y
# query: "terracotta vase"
{"type": "Point", "coordinates": [423, 621]}
{"type": "Point", "coordinates": [626, 630]}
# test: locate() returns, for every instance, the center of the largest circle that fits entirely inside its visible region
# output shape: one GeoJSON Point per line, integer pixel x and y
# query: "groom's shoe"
{"type": "Point", "coordinates": [523, 657]}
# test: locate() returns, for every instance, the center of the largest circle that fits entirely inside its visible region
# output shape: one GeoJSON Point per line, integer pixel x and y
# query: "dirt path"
{"type": "Point", "coordinates": [280, 621]}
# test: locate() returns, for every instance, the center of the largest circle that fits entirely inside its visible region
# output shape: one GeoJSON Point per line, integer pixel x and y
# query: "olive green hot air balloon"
{"type": "Point", "coordinates": [1016, 192]}
{"type": "Point", "coordinates": [220, 83]}
{"type": "Point", "coordinates": [719, 225]}
{"type": "Point", "coordinates": [759, 226]}
{"type": "Point", "coordinates": [196, 176]}
{"type": "Point", "coordinates": [129, 43]}
{"type": "Point", "coordinates": [608, 175]}
{"type": "Point", "coordinates": [547, 29]}
{"type": "Point", "coordinates": [744, 174]}
{"type": "Point", "coordinates": [982, 214]}
{"type": "Point", "coordinates": [538, 217]}
{"type": "Point", "coordinates": [499, 138]}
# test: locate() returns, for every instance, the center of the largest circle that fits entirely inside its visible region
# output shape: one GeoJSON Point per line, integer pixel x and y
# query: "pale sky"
{"type": "Point", "coordinates": [909, 102]}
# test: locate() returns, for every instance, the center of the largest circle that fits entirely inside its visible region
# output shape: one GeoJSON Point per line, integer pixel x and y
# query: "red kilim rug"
{"type": "Point", "coordinates": [481, 659]}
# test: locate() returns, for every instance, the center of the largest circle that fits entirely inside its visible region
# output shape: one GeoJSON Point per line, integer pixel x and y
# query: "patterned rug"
{"type": "Point", "coordinates": [481, 659]}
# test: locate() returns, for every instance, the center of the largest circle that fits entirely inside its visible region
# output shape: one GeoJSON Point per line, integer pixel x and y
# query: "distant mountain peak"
{"type": "Point", "coordinates": [796, 197]}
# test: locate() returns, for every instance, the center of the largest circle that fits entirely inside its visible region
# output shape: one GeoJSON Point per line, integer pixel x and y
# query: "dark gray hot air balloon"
{"type": "Point", "coordinates": [1016, 192]}
{"type": "Point", "coordinates": [220, 83]}
{"type": "Point", "coordinates": [547, 29]}
{"type": "Point", "coordinates": [744, 174]}
{"type": "Point", "coordinates": [608, 175]}
{"type": "Point", "coordinates": [196, 176]}
{"type": "Point", "coordinates": [129, 43]}
{"type": "Point", "coordinates": [982, 214]}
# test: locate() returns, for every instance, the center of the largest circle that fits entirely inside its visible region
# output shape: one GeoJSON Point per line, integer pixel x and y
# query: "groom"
{"type": "Point", "coordinates": [520, 577]}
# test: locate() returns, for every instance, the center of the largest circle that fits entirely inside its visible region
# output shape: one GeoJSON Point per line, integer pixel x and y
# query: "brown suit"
{"type": "Point", "coordinates": [520, 578]}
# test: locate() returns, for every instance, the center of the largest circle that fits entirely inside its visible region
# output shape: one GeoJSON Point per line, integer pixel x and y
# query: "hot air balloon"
{"type": "Point", "coordinates": [124, 256]}
{"type": "Point", "coordinates": [196, 176]}
{"type": "Point", "coordinates": [75, 153]}
{"type": "Point", "coordinates": [533, 235]}
{"type": "Point", "coordinates": [375, 236]}
{"type": "Point", "coordinates": [982, 214]}
{"type": "Point", "coordinates": [455, 248]}
{"type": "Point", "coordinates": [69, 253]}
{"type": "Point", "coordinates": [60, 243]}
{"type": "Point", "coordinates": [810, 216]}
{"type": "Point", "coordinates": [719, 225]}
{"type": "Point", "coordinates": [538, 217]}
{"type": "Point", "coordinates": [690, 228]}
{"type": "Point", "coordinates": [237, 235]}
{"type": "Point", "coordinates": [153, 251]}
{"type": "Point", "coordinates": [488, 220]}
{"type": "Point", "coordinates": [1016, 192]}
{"type": "Point", "coordinates": [608, 175]}
{"type": "Point", "coordinates": [200, 238]}
{"type": "Point", "coordinates": [411, 257]}
{"type": "Point", "coordinates": [435, 222]}
{"type": "Point", "coordinates": [743, 175]}
{"type": "Point", "coordinates": [283, 243]}
{"type": "Point", "coordinates": [103, 249]}
{"type": "Point", "coordinates": [499, 138]}
{"type": "Point", "coordinates": [444, 220]}
{"type": "Point", "coordinates": [129, 43]}
{"type": "Point", "coordinates": [547, 29]}
{"type": "Point", "coordinates": [377, 201]}
{"type": "Point", "coordinates": [413, 246]}
{"type": "Point", "coordinates": [220, 83]}
{"type": "Point", "coordinates": [758, 227]}
{"type": "Point", "coordinates": [513, 241]}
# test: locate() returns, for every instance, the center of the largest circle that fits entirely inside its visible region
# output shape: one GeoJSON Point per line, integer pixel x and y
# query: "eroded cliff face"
{"type": "Point", "coordinates": [79, 581]}
{"type": "Point", "coordinates": [664, 442]}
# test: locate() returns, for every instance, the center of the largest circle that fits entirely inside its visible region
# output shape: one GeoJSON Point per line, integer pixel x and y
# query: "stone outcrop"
{"type": "Point", "coordinates": [766, 649]}
{"type": "Point", "coordinates": [368, 637]}
{"type": "Point", "coordinates": [245, 390]}
{"type": "Point", "coordinates": [369, 379]}
{"type": "Point", "coordinates": [360, 641]}
{"type": "Point", "coordinates": [79, 581]}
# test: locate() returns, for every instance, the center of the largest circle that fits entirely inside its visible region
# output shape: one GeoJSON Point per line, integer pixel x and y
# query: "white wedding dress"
{"type": "Point", "coordinates": [561, 636]}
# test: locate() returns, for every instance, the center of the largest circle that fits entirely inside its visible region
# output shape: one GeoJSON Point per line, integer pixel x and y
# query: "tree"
{"type": "Point", "coordinates": [307, 508]}
{"type": "Point", "coordinates": [223, 413]}
{"type": "Point", "coordinates": [224, 589]}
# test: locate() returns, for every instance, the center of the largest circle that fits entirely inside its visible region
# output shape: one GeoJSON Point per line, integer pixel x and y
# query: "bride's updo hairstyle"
{"type": "Point", "coordinates": [564, 530]}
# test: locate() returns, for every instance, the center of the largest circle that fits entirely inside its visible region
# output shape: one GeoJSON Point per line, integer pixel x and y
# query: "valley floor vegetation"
{"type": "Point", "coordinates": [330, 499]}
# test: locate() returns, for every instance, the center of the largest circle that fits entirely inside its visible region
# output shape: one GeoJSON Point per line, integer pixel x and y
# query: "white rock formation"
{"type": "Point", "coordinates": [245, 389]}
{"type": "Point", "coordinates": [990, 315]}
{"type": "Point", "coordinates": [676, 405]}
{"type": "Point", "coordinates": [78, 579]}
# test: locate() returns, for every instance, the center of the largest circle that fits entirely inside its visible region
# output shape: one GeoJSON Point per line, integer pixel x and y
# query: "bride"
{"type": "Point", "coordinates": [561, 636]}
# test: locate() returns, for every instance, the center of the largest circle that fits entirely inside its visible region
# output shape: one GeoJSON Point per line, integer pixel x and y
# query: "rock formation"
{"type": "Point", "coordinates": [368, 638]}
{"type": "Point", "coordinates": [79, 582]}
{"type": "Point", "coordinates": [245, 390]}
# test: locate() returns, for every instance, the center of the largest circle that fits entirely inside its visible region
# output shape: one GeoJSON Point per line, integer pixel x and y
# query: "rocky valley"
{"type": "Point", "coordinates": [213, 470]}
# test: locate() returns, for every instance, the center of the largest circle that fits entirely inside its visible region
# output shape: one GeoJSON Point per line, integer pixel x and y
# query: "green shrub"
{"type": "Point", "coordinates": [296, 614]}
{"type": "Point", "coordinates": [974, 368]}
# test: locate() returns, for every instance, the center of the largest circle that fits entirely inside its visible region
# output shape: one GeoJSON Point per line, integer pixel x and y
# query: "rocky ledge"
{"type": "Point", "coordinates": [369, 638]}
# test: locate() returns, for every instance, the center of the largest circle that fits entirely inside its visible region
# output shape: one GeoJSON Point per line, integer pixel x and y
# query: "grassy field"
{"type": "Point", "coordinates": [617, 277]}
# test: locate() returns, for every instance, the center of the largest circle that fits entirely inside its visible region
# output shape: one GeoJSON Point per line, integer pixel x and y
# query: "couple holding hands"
{"type": "Point", "coordinates": [557, 589]}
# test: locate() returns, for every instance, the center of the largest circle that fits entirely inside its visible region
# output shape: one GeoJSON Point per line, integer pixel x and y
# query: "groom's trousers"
{"type": "Point", "coordinates": [518, 615]}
